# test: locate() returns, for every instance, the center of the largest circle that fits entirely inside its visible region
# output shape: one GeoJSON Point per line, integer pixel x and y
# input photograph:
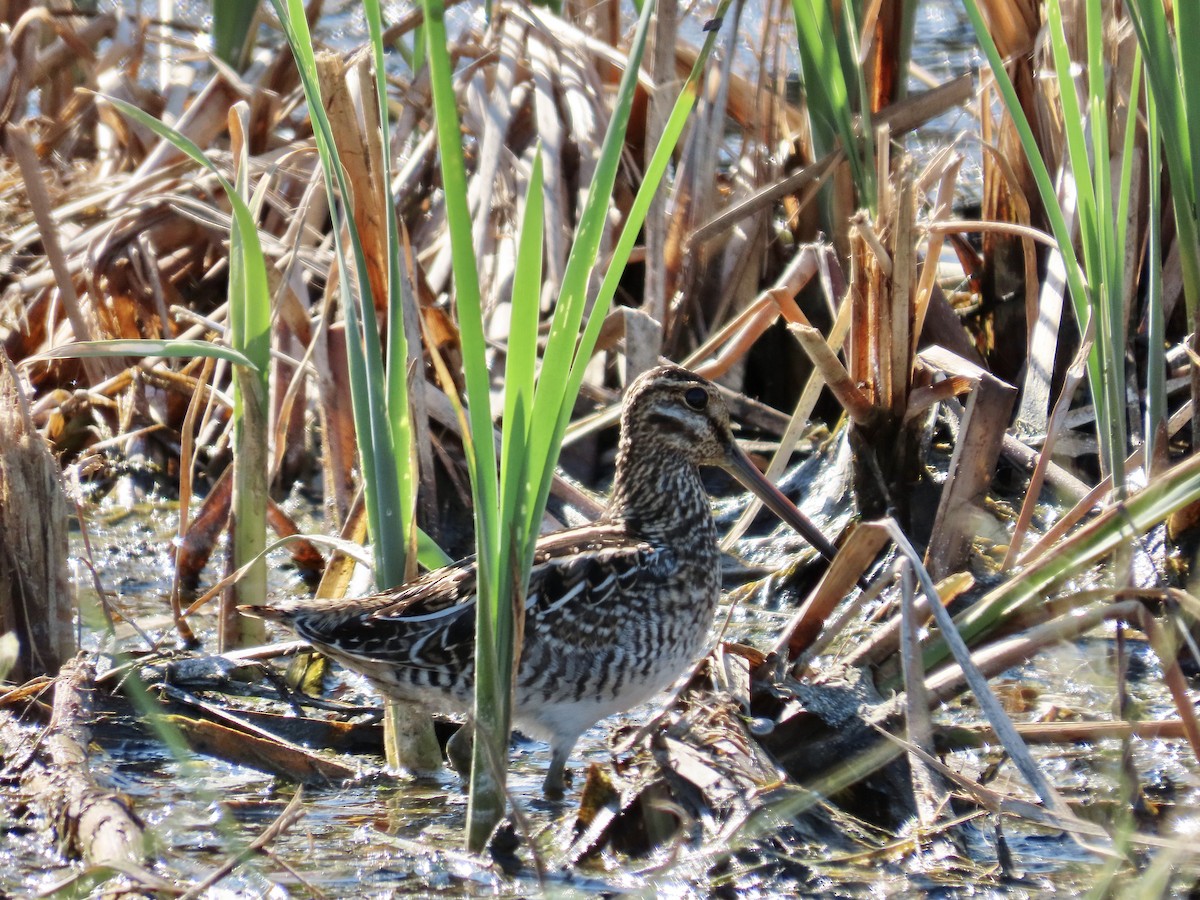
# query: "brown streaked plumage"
{"type": "Point", "coordinates": [615, 610]}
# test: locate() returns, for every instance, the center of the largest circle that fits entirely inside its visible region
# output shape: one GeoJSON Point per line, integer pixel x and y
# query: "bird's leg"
{"type": "Point", "coordinates": [553, 786]}
{"type": "Point", "coordinates": [462, 742]}
{"type": "Point", "coordinates": [459, 749]}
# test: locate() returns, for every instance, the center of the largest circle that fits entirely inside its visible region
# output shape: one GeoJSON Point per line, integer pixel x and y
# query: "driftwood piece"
{"type": "Point", "coordinates": [35, 592]}
{"type": "Point", "coordinates": [980, 438]}
{"type": "Point", "coordinates": [210, 729]}
{"type": "Point", "coordinates": [90, 822]}
{"type": "Point", "coordinates": [266, 753]}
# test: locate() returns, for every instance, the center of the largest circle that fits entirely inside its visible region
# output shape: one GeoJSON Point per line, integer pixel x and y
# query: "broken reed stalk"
{"type": "Point", "coordinates": [981, 429]}
{"type": "Point", "coordinates": [875, 383]}
{"type": "Point", "coordinates": [92, 823]}
{"type": "Point", "coordinates": [36, 599]}
{"type": "Point", "coordinates": [886, 393]}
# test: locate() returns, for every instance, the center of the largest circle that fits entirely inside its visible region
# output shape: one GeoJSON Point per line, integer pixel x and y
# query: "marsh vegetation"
{"type": "Point", "coordinates": [358, 292]}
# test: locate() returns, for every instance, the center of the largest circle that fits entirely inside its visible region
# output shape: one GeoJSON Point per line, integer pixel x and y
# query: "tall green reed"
{"type": "Point", "coordinates": [249, 349]}
{"type": "Point", "coordinates": [835, 92]}
{"type": "Point", "coordinates": [378, 388]}
{"type": "Point", "coordinates": [1173, 79]}
{"type": "Point", "coordinates": [1095, 283]}
{"type": "Point", "coordinates": [494, 618]}
{"type": "Point", "coordinates": [250, 332]}
{"type": "Point", "coordinates": [233, 30]}
{"type": "Point", "coordinates": [379, 393]}
{"type": "Point", "coordinates": [538, 401]}
{"type": "Point", "coordinates": [1155, 424]}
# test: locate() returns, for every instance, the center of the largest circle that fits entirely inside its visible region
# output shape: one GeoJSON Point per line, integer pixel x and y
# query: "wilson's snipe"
{"type": "Point", "coordinates": [615, 610]}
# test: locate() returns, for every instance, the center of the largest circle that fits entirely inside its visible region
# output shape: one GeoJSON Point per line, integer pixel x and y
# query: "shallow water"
{"type": "Point", "coordinates": [200, 809]}
{"type": "Point", "coordinates": [362, 839]}
{"type": "Point", "coordinates": [381, 837]}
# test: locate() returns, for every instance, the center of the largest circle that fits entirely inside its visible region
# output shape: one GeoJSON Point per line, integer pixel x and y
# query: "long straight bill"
{"type": "Point", "coordinates": [740, 466]}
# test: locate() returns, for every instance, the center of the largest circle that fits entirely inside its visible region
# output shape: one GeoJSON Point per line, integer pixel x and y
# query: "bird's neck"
{"type": "Point", "coordinates": [659, 495]}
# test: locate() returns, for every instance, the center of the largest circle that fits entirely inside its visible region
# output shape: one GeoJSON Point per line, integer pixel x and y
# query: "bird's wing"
{"type": "Point", "coordinates": [573, 592]}
{"type": "Point", "coordinates": [429, 623]}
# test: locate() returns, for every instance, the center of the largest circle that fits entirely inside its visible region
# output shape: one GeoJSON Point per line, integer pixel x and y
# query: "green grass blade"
{"type": "Point", "coordinates": [1156, 360]}
{"type": "Point", "coordinates": [493, 620]}
{"type": "Point", "coordinates": [1110, 331]}
{"type": "Point", "coordinates": [1187, 26]}
{"type": "Point", "coordinates": [429, 554]}
{"type": "Point", "coordinates": [399, 414]}
{"type": "Point", "coordinates": [1179, 123]}
{"type": "Point", "coordinates": [1058, 225]}
{"type": "Point", "coordinates": [1074, 136]}
{"type": "Point", "coordinates": [826, 55]}
{"type": "Point", "coordinates": [552, 393]}
{"type": "Point", "coordinates": [249, 335]}
{"type": "Point", "coordinates": [249, 331]}
{"type": "Point", "coordinates": [468, 302]}
{"type": "Point", "coordinates": [1107, 277]}
{"type": "Point", "coordinates": [232, 21]}
{"type": "Point", "coordinates": [379, 392]}
{"type": "Point", "coordinates": [1103, 259]}
{"type": "Point", "coordinates": [1115, 285]}
{"type": "Point", "coordinates": [494, 688]}
{"type": "Point", "coordinates": [1127, 155]}
{"type": "Point", "coordinates": [652, 180]}
{"type": "Point", "coordinates": [863, 133]}
{"type": "Point", "coordinates": [1084, 291]}
{"type": "Point", "coordinates": [557, 386]}
{"type": "Point", "coordinates": [553, 422]}
{"type": "Point", "coordinates": [523, 472]}
{"type": "Point", "coordinates": [824, 80]}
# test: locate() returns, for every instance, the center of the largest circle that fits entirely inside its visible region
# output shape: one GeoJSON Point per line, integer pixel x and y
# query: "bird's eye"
{"type": "Point", "coordinates": [696, 398]}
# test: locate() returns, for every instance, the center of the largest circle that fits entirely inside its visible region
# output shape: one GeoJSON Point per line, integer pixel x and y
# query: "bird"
{"type": "Point", "coordinates": [615, 610]}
